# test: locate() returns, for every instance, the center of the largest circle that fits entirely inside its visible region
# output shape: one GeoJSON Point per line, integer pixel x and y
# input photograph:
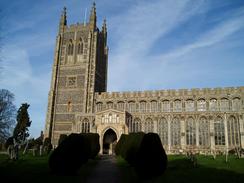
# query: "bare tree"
{"type": "Point", "coordinates": [7, 114]}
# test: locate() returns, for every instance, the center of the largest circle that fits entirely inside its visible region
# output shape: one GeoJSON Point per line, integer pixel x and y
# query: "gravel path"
{"type": "Point", "coordinates": [106, 171]}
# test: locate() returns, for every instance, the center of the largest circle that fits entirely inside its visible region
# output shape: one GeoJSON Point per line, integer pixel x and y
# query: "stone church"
{"type": "Point", "coordinates": [201, 120]}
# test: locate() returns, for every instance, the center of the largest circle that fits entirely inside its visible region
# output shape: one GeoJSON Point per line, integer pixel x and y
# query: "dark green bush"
{"type": "Point", "coordinates": [120, 146]}
{"type": "Point", "coordinates": [151, 159]}
{"type": "Point", "coordinates": [9, 141]}
{"type": "Point", "coordinates": [61, 138]}
{"type": "Point", "coordinates": [93, 143]}
{"type": "Point", "coordinates": [68, 157]}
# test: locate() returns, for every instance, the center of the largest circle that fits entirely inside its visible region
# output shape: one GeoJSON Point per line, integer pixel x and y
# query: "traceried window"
{"type": "Point", "coordinates": [142, 106]}
{"type": "Point", "coordinates": [85, 126]}
{"type": "Point", "coordinates": [131, 107]}
{"type": "Point", "coordinates": [99, 106]}
{"type": "Point", "coordinates": [213, 104]}
{"type": "Point", "coordinates": [154, 106]}
{"type": "Point", "coordinates": [219, 131]}
{"type": "Point", "coordinates": [189, 105]}
{"type": "Point", "coordinates": [166, 106]}
{"type": "Point", "coordinates": [71, 81]}
{"type": "Point", "coordinates": [148, 125]}
{"type": "Point", "coordinates": [109, 105]}
{"type": "Point", "coordinates": [236, 104]}
{"type": "Point", "coordinates": [80, 47]}
{"type": "Point", "coordinates": [201, 105]}
{"type": "Point", "coordinates": [233, 132]}
{"type": "Point", "coordinates": [136, 125]}
{"type": "Point", "coordinates": [177, 106]}
{"type": "Point", "coordinates": [175, 132]}
{"type": "Point", "coordinates": [70, 48]}
{"type": "Point", "coordinates": [224, 104]}
{"type": "Point", "coordinates": [203, 132]}
{"type": "Point", "coordinates": [163, 130]}
{"type": "Point", "coordinates": [190, 131]}
{"type": "Point", "coordinates": [121, 105]}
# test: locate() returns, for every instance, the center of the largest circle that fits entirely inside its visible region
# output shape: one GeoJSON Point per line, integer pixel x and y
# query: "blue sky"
{"type": "Point", "coordinates": [153, 45]}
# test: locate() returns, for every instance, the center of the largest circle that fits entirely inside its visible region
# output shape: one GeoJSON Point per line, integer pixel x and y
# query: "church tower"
{"type": "Point", "coordinates": [79, 70]}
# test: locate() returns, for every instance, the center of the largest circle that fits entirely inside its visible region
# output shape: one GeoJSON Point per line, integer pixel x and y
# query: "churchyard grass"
{"type": "Point", "coordinates": [180, 169]}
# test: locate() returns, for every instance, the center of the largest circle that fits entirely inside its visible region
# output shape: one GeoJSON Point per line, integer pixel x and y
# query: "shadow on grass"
{"type": "Point", "coordinates": [35, 169]}
{"type": "Point", "coordinates": [182, 170]}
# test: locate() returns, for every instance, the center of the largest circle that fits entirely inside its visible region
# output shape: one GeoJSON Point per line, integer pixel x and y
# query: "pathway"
{"type": "Point", "coordinates": [106, 171]}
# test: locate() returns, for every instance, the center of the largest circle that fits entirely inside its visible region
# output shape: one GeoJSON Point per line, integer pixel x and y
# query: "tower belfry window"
{"type": "Point", "coordinates": [70, 48]}
{"type": "Point", "coordinates": [80, 48]}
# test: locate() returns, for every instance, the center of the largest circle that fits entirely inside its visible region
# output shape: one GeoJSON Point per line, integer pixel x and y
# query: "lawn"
{"type": "Point", "coordinates": [35, 169]}
{"type": "Point", "coordinates": [180, 169]}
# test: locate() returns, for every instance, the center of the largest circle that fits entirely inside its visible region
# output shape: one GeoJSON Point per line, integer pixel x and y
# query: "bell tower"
{"type": "Point", "coordinates": [79, 70]}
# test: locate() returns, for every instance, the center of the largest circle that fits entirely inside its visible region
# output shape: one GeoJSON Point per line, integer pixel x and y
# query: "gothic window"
{"type": "Point", "coordinates": [177, 106]}
{"type": "Point", "coordinates": [110, 118]}
{"type": "Point", "coordinates": [224, 104]}
{"type": "Point", "coordinates": [190, 131]}
{"type": "Point", "coordinates": [109, 105]}
{"type": "Point", "coordinates": [189, 105]}
{"type": "Point", "coordinates": [80, 47]}
{"type": "Point", "coordinates": [219, 131]}
{"type": "Point", "coordinates": [99, 106]}
{"type": "Point", "coordinates": [71, 81]}
{"type": "Point", "coordinates": [69, 106]}
{"type": "Point", "coordinates": [154, 107]}
{"type": "Point", "coordinates": [85, 126]}
{"type": "Point", "coordinates": [166, 106]}
{"type": "Point", "coordinates": [121, 105]}
{"type": "Point", "coordinates": [233, 132]}
{"type": "Point", "coordinates": [103, 119]}
{"type": "Point", "coordinates": [142, 106]}
{"type": "Point", "coordinates": [175, 132]}
{"type": "Point", "coordinates": [236, 104]}
{"type": "Point", "coordinates": [163, 130]}
{"type": "Point", "coordinates": [201, 105]}
{"type": "Point", "coordinates": [148, 126]}
{"type": "Point", "coordinates": [70, 48]}
{"type": "Point", "coordinates": [131, 107]}
{"type": "Point", "coordinates": [213, 104]}
{"type": "Point", "coordinates": [203, 132]}
{"type": "Point", "coordinates": [136, 125]}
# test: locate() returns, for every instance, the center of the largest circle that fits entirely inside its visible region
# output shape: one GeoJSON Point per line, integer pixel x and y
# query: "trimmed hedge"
{"type": "Point", "coordinates": [72, 152]}
{"type": "Point", "coordinates": [61, 138]}
{"type": "Point", "coordinates": [143, 151]}
{"type": "Point", "coordinates": [151, 159]}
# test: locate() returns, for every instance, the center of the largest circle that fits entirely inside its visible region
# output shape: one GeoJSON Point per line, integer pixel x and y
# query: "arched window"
{"type": "Point", "coordinates": [236, 104]}
{"type": "Point", "coordinates": [233, 132]}
{"type": "Point", "coordinates": [203, 132]}
{"type": "Point", "coordinates": [201, 105]}
{"type": "Point", "coordinates": [70, 48]}
{"type": "Point", "coordinates": [69, 106]}
{"type": "Point", "coordinates": [177, 106]}
{"type": "Point", "coordinates": [142, 106]}
{"type": "Point", "coordinates": [175, 132]}
{"type": "Point", "coordinates": [148, 126]}
{"type": "Point", "coordinates": [219, 131]}
{"type": "Point", "coordinates": [163, 130]}
{"type": "Point", "coordinates": [136, 125]}
{"type": "Point", "coordinates": [121, 105]}
{"type": "Point", "coordinates": [85, 126]}
{"type": "Point", "coordinates": [99, 106]}
{"type": "Point", "coordinates": [213, 104]}
{"type": "Point", "coordinates": [80, 47]}
{"type": "Point", "coordinates": [190, 131]}
{"type": "Point", "coordinates": [131, 106]}
{"type": "Point", "coordinates": [224, 104]}
{"type": "Point", "coordinates": [189, 105]}
{"type": "Point", "coordinates": [166, 106]}
{"type": "Point", "coordinates": [109, 105]}
{"type": "Point", "coordinates": [154, 106]}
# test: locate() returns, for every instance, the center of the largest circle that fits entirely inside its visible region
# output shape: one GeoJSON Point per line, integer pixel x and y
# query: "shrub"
{"type": "Point", "coordinates": [61, 138]}
{"type": "Point", "coordinates": [151, 159]}
{"type": "Point", "coordinates": [68, 157]}
{"type": "Point", "coordinates": [93, 143]}
{"type": "Point", "coordinates": [120, 146]}
{"type": "Point", "coordinates": [10, 141]}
